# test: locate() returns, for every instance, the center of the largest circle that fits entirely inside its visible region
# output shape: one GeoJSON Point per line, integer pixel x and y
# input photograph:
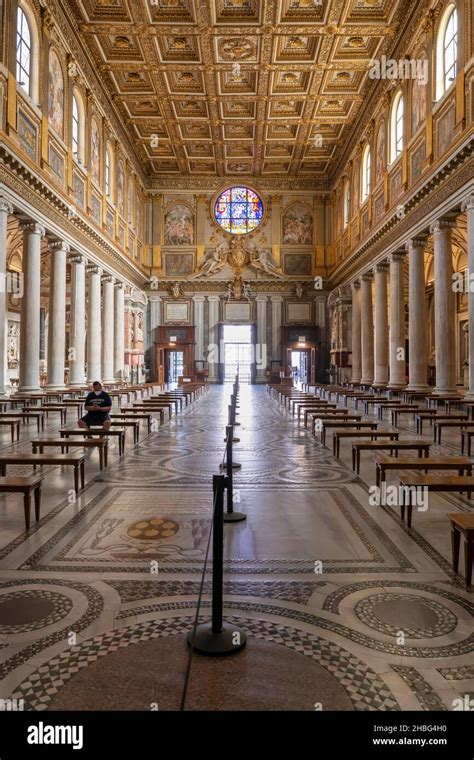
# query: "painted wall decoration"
{"type": "Point", "coordinates": [27, 135]}
{"type": "Point", "coordinates": [179, 264]}
{"type": "Point", "coordinates": [179, 225]}
{"type": "Point", "coordinates": [95, 151]}
{"type": "Point", "coordinates": [13, 345]}
{"type": "Point", "coordinates": [418, 105]}
{"type": "Point", "coordinates": [56, 163]}
{"type": "Point", "coordinates": [298, 264]}
{"type": "Point", "coordinates": [130, 201]}
{"type": "Point", "coordinates": [56, 94]}
{"type": "Point", "coordinates": [297, 225]}
{"type": "Point", "coordinates": [417, 161]}
{"type": "Point", "coordinates": [96, 209]}
{"type": "Point", "coordinates": [238, 210]}
{"type": "Point", "coordinates": [380, 152]}
{"type": "Point", "coordinates": [445, 130]}
{"type": "Point", "coordinates": [121, 188]}
{"type": "Point", "coordinates": [78, 189]}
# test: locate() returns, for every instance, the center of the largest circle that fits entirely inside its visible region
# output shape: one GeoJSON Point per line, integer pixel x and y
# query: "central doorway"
{"type": "Point", "coordinates": [238, 353]}
{"type": "Point", "coordinates": [174, 365]}
{"type": "Point", "coordinates": [299, 366]}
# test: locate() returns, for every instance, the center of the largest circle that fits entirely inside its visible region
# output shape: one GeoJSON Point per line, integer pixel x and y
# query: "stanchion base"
{"type": "Point", "coordinates": [234, 440]}
{"type": "Point", "coordinates": [231, 517]}
{"type": "Point", "coordinates": [235, 466]}
{"type": "Point", "coordinates": [217, 644]}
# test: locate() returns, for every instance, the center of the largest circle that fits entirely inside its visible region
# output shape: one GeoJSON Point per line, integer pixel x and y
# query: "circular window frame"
{"type": "Point", "coordinates": [219, 192]}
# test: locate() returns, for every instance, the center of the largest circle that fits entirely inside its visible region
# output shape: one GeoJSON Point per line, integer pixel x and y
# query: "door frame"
{"type": "Point", "coordinates": [221, 344]}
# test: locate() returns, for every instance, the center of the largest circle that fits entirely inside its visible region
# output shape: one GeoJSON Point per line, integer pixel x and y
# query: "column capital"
{"type": "Point", "coordinates": [276, 299]}
{"type": "Point", "coordinates": [382, 266]}
{"type": "Point", "coordinates": [467, 204]}
{"type": "Point", "coordinates": [415, 243]}
{"type": "Point", "coordinates": [119, 284]}
{"type": "Point", "coordinates": [213, 299]}
{"type": "Point", "coordinates": [108, 278]}
{"type": "Point", "coordinates": [77, 258]}
{"type": "Point", "coordinates": [367, 277]}
{"type": "Point", "coordinates": [199, 299]}
{"type": "Point", "coordinates": [34, 228]}
{"type": "Point", "coordinates": [261, 299]}
{"type": "Point", "coordinates": [442, 224]}
{"type": "Point", "coordinates": [356, 284]}
{"type": "Point", "coordinates": [59, 245]}
{"type": "Point", "coordinates": [397, 257]}
{"type": "Point", "coordinates": [94, 269]}
{"type": "Point", "coordinates": [5, 205]}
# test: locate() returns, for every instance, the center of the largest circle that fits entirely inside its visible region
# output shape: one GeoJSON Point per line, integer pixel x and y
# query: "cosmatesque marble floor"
{"type": "Point", "coordinates": [344, 607]}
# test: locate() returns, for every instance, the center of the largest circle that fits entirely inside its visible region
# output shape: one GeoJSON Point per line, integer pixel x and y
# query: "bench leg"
{"type": "Point", "coordinates": [27, 508]}
{"type": "Point", "coordinates": [468, 558]}
{"type": "Point", "coordinates": [106, 453]}
{"type": "Point", "coordinates": [402, 506]}
{"type": "Point", "coordinates": [358, 461]}
{"type": "Point", "coordinates": [353, 459]}
{"type": "Point", "coordinates": [409, 512]}
{"type": "Point", "coordinates": [82, 475]}
{"type": "Point", "coordinates": [76, 478]}
{"type": "Point", "coordinates": [101, 458]}
{"type": "Point", "coordinates": [37, 502]}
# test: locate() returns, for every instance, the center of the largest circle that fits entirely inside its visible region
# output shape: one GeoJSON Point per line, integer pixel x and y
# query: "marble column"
{"type": "Point", "coordinates": [277, 306]}
{"type": "Point", "coordinates": [5, 210]}
{"type": "Point", "coordinates": [119, 331]}
{"type": "Point", "coordinates": [154, 321]}
{"type": "Point", "coordinates": [57, 314]}
{"type": "Point", "coordinates": [199, 325]}
{"type": "Point", "coordinates": [94, 325]}
{"type": "Point", "coordinates": [381, 325]}
{"type": "Point", "coordinates": [77, 341]}
{"type": "Point", "coordinates": [108, 329]}
{"type": "Point", "coordinates": [261, 347]}
{"type": "Point", "coordinates": [445, 318]}
{"type": "Point", "coordinates": [356, 334]}
{"type": "Point", "coordinates": [213, 337]}
{"type": "Point", "coordinates": [397, 323]}
{"type": "Point", "coordinates": [30, 307]}
{"type": "Point", "coordinates": [367, 329]}
{"type": "Point", "coordinates": [417, 317]}
{"type": "Point", "coordinates": [468, 207]}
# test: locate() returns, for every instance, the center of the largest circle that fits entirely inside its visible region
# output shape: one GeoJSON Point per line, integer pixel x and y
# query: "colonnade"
{"type": "Point", "coordinates": [104, 306]}
{"type": "Point", "coordinates": [378, 335]}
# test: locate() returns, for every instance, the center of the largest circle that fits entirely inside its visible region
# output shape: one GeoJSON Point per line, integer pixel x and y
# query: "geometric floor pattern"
{"type": "Point", "coordinates": [314, 572]}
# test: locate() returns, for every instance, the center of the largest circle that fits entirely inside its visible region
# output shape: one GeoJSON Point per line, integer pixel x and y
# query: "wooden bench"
{"type": "Point", "coordinates": [433, 401]}
{"type": "Point", "coordinates": [116, 433]}
{"type": "Point", "coordinates": [27, 485]}
{"type": "Point", "coordinates": [339, 415]}
{"type": "Point", "coordinates": [74, 460]}
{"type": "Point", "coordinates": [375, 400]}
{"type": "Point", "coordinates": [136, 414]}
{"type": "Point", "coordinates": [382, 405]}
{"type": "Point", "coordinates": [323, 406]}
{"type": "Point", "coordinates": [463, 524]}
{"type": "Point", "coordinates": [468, 403]}
{"type": "Point", "coordinates": [343, 423]}
{"type": "Point", "coordinates": [383, 462]}
{"type": "Point", "coordinates": [422, 447]}
{"type": "Point", "coordinates": [392, 435]}
{"type": "Point", "coordinates": [439, 483]}
{"type": "Point", "coordinates": [433, 415]}
{"type": "Point", "coordinates": [38, 416]}
{"type": "Point", "coordinates": [14, 426]}
{"type": "Point", "coordinates": [128, 423]}
{"type": "Point", "coordinates": [66, 443]}
{"type": "Point", "coordinates": [466, 437]}
{"type": "Point", "coordinates": [140, 406]}
{"type": "Point", "coordinates": [47, 408]}
{"type": "Point", "coordinates": [401, 409]}
{"type": "Point", "coordinates": [455, 424]}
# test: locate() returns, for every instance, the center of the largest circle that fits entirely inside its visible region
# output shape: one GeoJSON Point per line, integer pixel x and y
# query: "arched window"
{"type": "Point", "coordinates": [446, 50]}
{"type": "Point", "coordinates": [396, 128]}
{"type": "Point", "coordinates": [347, 204]}
{"type": "Point", "coordinates": [108, 171]}
{"type": "Point", "coordinates": [24, 52]}
{"type": "Point", "coordinates": [77, 127]}
{"type": "Point", "coordinates": [366, 173]}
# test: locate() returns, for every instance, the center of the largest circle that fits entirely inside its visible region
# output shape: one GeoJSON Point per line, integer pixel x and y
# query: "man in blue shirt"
{"type": "Point", "coordinates": [98, 405]}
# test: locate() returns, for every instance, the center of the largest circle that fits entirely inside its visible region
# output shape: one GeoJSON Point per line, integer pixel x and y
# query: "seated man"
{"type": "Point", "coordinates": [98, 405]}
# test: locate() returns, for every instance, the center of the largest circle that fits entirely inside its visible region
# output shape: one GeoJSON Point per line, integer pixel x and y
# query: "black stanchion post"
{"type": "Point", "coordinates": [217, 638]}
{"type": "Point", "coordinates": [230, 515]}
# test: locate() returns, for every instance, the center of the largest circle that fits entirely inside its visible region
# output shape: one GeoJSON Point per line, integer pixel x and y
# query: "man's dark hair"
{"type": "Point", "coordinates": [96, 383]}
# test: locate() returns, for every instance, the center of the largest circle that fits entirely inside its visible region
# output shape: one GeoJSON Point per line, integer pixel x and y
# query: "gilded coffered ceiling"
{"type": "Point", "coordinates": [250, 88]}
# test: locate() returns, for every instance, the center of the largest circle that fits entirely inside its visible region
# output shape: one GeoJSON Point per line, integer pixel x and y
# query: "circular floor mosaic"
{"type": "Point", "coordinates": [154, 529]}
{"type": "Point", "coordinates": [32, 609]}
{"type": "Point", "coordinates": [418, 618]}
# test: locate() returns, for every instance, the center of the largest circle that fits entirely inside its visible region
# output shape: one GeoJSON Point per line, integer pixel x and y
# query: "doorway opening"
{"type": "Point", "coordinates": [174, 366]}
{"type": "Point", "coordinates": [299, 366]}
{"type": "Point", "coordinates": [238, 353]}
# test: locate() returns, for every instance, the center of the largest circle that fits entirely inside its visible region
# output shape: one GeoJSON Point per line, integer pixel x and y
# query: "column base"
{"type": "Point", "coordinates": [29, 389]}
{"type": "Point", "coordinates": [369, 381]}
{"type": "Point", "coordinates": [415, 387]}
{"type": "Point", "coordinates": [55, 387]}
{"type": "Point", "coordinates": [380, 384]}
{"type": "Point", "coordinates": [78, 385]}
{"type": "Point", "coordinates": [354, 380]}
{"type": "Point", "coordinates": [397, 386]}
{"type": "Point", "coordinates": [469, 396]}
{"type": "Point", "coordinates": [446, 391]}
